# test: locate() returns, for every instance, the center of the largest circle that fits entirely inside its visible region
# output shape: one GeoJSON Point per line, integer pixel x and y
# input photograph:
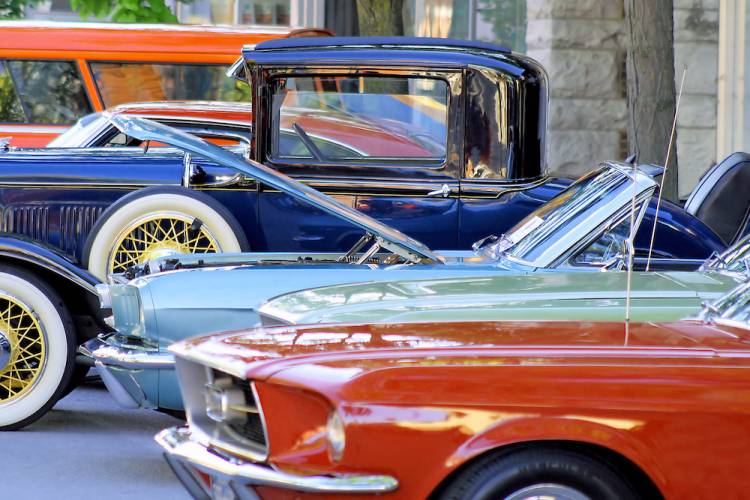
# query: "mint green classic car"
{"type": "Point", "coordinates": [655, 296]}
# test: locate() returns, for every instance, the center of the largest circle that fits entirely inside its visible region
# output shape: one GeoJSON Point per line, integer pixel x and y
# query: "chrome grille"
{"type": "Point", "coordinates": [251, 427]}
{"type": "Point", "coordinates": [224, 410]}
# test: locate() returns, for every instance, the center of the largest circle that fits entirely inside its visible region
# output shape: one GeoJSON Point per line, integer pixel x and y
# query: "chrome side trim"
{"type": "Point", "coordinates": [134, 358]}
{"type": "Point", "coordinates": [4, 351]}
{"type": "Point", "coordinates": [477, 188]}
{"type": "Point", "coordinates": [179, 446]}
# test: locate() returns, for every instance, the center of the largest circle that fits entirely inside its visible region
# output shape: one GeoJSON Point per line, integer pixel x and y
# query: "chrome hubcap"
{"type": "Point", "coordinates": [548, 491]}
{"type": "Point", "coordinates": [4, 351]}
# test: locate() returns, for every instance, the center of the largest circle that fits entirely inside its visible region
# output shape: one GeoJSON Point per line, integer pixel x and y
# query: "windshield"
{"type": "Point", "coordinates": [78, 134]}
{"type": "Point", "coordinates": [735, 259]}
{"type": "Point", "coordinates": [528, 239]}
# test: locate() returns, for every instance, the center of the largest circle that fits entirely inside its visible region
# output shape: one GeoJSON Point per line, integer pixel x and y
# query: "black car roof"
{"type": "Point", "coordinates": [396, 42]}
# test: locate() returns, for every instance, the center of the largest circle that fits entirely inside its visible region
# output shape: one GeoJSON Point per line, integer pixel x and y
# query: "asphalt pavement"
{"type": "Point", "coordinates": [88, 447]}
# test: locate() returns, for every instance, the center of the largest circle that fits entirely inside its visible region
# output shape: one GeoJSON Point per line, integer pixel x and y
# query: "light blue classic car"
{"type": "Point", "coordinates": [173, 297]}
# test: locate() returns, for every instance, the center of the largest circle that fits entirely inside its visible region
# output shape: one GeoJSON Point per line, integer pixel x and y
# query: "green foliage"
{"type": "Point", "coordinates": [508, 19]}
{"type": "Point", "coordinates": [119, 11]}
{"type": "Point", "coordinates": [125, 11]}
{"type": "Point", "coordinates": [13, 9]}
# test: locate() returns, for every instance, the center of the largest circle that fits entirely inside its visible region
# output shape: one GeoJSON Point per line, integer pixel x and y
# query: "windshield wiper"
{"type": "Point", "coordinates": [315, 150]}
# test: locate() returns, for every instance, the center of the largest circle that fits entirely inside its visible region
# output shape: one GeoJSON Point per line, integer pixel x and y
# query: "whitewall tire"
{"type": "Point", "coordinates": [40, 335]}
{"type": "Point", "coordinates": [159, 221]}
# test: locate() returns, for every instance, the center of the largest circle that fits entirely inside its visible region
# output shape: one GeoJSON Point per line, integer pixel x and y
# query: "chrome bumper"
{"type": "Point", "coordinates": [181, 451]}
{"type": "Point", "coordinates": [109, 358]}
{"type": "Point", "coordinates": [125, 357]}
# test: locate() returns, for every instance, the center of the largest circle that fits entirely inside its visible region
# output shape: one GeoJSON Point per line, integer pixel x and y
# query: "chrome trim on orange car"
{"type": "Point", "coordinates": [182, 451]}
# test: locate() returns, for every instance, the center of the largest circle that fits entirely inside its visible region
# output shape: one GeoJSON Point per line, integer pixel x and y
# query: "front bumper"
{"type": "Point", "coordinates": [129, 372]}
{"type": "Point", "coordinates": [184, 453]}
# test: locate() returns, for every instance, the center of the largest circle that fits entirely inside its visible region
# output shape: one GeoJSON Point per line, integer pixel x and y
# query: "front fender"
{"type": "Point", "coordinates": [19, 248]}
{"type": "Point", "coordinates": [610, 434]}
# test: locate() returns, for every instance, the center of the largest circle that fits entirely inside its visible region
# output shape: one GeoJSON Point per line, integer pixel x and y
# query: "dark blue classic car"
{"type": "Point", "coordinates": [441, 140]}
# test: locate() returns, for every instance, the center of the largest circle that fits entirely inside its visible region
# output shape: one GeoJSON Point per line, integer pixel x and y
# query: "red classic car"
{"type": "Point", "coordinates": [513, 410]}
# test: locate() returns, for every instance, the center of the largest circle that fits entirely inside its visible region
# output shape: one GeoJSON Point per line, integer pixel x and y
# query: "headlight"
{"type": "Point", "coordinates": [336, 435]}
{"type": "Point", "coordinates": [105, 296]}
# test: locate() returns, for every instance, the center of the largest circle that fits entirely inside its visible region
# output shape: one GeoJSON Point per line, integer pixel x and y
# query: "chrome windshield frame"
{"type": "Point", "coordinates": [728, 260]}
{"type": "Point", "coordinates": [723, 311]}
{"type": "Point", "coordinates": [597, 218]}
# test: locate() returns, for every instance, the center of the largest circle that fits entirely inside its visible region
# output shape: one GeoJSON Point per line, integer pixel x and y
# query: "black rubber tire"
{"type": "Point", "coordinates": [132, 200]}
{"type": "Point", "coordinates": [77, 377]}
{"type": "Point", "coordinates": [69, 342]}
{"type": "Point", "coordinates": [498, 475]}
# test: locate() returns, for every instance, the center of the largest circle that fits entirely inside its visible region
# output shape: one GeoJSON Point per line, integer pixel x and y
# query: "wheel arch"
{"type": "Point", "coordinates": [129, 198]}
{"type": "Point", "coordinates": [605, 455]}
{"type": "Point", "coordinates": [602, 441]}
{"type": "Point", "coordinates": [75, 285]}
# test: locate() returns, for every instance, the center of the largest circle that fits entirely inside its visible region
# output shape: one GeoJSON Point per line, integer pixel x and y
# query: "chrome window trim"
{"type": "Point", "coordinates": [595, 219]}
{"type": "Point", "coordinates": [641, 204]}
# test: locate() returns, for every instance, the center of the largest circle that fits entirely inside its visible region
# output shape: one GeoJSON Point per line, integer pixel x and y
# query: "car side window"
{"type": "Point", "coordinates": [49, 92]}
{"type": "Point", "coordinates": [355, 119]}
{"type": "Point", "coordinates": [120, 83]}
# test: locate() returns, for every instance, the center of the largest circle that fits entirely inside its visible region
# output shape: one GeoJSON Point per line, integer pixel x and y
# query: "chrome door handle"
{"type": "Point", "coordinates": [444, 191]}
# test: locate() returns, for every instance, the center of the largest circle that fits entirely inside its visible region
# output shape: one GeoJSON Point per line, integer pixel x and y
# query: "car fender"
{"type": "Point", "coordinates": [34, 255]}
{"type": "Point", "coordinates": [604, 433]}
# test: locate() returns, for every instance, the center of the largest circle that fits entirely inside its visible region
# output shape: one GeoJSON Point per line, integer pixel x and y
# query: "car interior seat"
{"type": "Point", "coordinates": [721, 200]}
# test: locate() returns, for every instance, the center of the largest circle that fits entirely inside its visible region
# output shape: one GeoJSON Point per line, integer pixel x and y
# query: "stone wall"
{"type": "Point", "coordinates": [581, 44]}
{"type": "Point", "coordinates": [696, 47]}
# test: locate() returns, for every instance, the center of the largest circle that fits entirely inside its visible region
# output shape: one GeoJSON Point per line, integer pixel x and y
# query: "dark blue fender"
{"type": "Point", "coordinates": [33, 255]}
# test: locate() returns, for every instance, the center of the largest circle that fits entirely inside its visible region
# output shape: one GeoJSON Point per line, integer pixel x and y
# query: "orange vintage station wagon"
{"type": "Point", "coordinates": [503, 410]}
{"type": "Point", "coordinates": [52, 74]}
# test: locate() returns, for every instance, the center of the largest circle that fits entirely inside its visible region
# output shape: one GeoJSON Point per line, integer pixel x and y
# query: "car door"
{"type": "Point", "coordinates": [383, 143]}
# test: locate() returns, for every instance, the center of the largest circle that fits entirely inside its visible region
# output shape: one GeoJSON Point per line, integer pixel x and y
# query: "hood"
{"type": "Point", "coordinates": [558, 295]}
{"type": "Point", "coordinates": [356, 349]}
{"type": "Point", "coordinates": [230, 296]}
{"type": "Point", "coordinates": [146, 130]}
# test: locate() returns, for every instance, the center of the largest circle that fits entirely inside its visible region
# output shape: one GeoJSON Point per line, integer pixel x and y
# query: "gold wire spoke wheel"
{"type": "Point", "coordinates": [157, 235]}
{"type": "Point", "coordinates": [28, 346]}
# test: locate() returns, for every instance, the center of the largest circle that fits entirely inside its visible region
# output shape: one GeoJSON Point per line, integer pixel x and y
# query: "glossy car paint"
{"type": "Point", "coordinates": [660, 396]}
{"type": "Point", "coordinates": [543, 296]}
{"type": "Point", "coordinates": [226, 302]}
{"type": "Point", "coordinates": [86, 42]}
{"type": "Point", "coordinates": [166, 313]}
{"type": "Point", "coordinates": [46, 209]}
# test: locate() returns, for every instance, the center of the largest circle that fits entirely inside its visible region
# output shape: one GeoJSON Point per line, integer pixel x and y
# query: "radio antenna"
{"type": "Point", "coordinates": [631, 251]}
{"type": "Point", "coordinates": [666, 166]}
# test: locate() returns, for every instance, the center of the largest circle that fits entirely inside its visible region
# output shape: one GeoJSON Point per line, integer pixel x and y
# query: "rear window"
{"type": "Point", "coordinates": [120, 83]}
{"type": "Point", "coordinates": [48, 92]}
